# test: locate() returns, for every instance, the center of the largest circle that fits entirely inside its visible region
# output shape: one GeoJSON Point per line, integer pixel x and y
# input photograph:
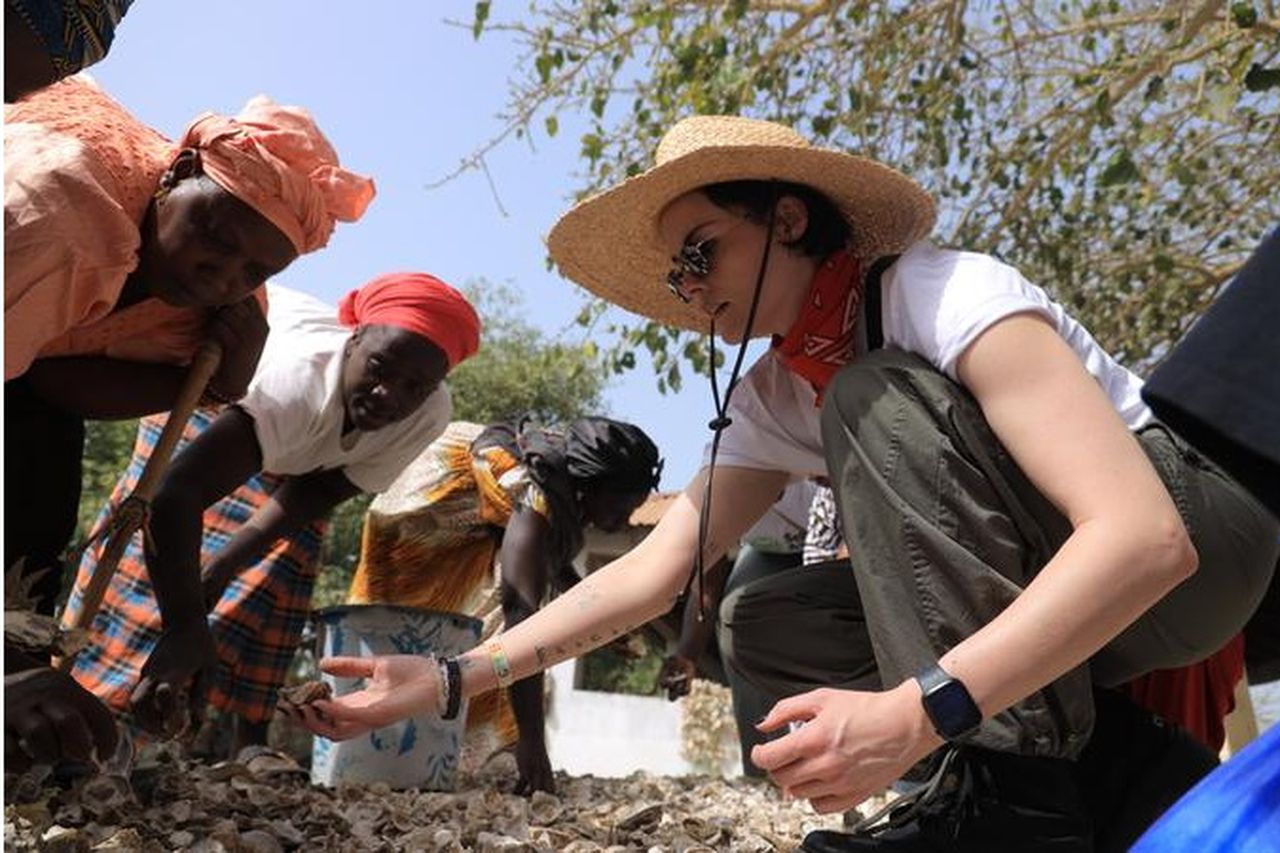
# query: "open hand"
{"type": "Point", "coordinates": [851, 745]}
{"type": "Point", "coordinates": [398, 686]}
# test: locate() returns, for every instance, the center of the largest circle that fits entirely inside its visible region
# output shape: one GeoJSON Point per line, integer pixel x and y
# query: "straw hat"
{"type": "Point", "coordinates": [610, 244]}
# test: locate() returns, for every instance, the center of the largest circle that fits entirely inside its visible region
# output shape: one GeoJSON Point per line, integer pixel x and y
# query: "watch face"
{"type": "Point", "coordinates": [952, 709]}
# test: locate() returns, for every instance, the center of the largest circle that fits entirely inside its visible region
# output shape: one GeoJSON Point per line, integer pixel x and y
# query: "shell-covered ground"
{"type": "Point", "coordinates": [264, 802]}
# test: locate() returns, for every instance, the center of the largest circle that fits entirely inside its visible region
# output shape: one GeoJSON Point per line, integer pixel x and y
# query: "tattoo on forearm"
{"type": "Point", "coordinates": [541, 654]}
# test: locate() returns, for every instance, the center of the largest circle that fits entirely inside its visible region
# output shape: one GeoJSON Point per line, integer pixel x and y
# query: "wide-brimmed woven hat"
{"type": "Point", "coordinates": [610, 243]}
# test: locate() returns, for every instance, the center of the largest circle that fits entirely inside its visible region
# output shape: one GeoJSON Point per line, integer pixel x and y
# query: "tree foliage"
{"type": "Point", "coordinates": [519, 371]}
{"type": "Point", "coordinates": [1122, 154]}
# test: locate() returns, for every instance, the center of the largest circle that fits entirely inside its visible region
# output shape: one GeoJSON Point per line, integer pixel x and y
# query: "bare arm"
{"type": "Point", "coordinates": [216, 463]}
{"type": "Point", "coordinates": [1128, 547]}
{"type": "Point", "coordinates": [297, 502]}
{"type": "Point", "coordinates": [524, 586]}
{"type": "Point", "coordinates": [101, 388]}
{"type": "Point", "coordinates": [638, 586]}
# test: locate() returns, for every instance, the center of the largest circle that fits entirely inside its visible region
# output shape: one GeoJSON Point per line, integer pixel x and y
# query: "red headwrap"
{"type": "Point", "coordinates": [421, 303]}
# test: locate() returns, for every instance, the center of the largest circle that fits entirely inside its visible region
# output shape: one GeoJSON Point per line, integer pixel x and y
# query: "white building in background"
{"type": "Point", "coordinates": [616, 734]}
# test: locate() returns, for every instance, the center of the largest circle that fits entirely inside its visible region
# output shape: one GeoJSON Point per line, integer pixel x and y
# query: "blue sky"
{"type": "Point", "coordinates": [404, 97]}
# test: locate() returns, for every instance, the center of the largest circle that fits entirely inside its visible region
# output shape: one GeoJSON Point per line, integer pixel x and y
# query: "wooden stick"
{"type": "Point", "coordinates": [131, 514]}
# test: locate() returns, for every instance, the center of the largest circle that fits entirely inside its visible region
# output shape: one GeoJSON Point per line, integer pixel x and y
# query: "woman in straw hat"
{"type": "Point", "coordinates": [1021, 528]}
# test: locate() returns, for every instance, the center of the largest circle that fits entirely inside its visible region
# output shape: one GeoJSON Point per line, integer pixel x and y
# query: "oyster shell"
{"type": "Point", "coordinates": [260, 803]}
{"type": "Point", "coordinates": [305, 693]}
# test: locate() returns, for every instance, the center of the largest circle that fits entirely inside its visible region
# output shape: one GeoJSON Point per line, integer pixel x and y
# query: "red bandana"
{"type": "Point", "coordinates": [821, 341]}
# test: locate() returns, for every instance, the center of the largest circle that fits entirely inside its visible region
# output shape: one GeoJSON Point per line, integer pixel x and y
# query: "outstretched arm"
{"type": "Point", "coordinates": [218, 461]}
{"type": "Point", "coordinates": [618, 598]}
{"type": "Point", "coordinates": [208, 469]}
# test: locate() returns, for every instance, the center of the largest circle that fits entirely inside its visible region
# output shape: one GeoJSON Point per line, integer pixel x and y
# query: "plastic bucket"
{"type": "Point", "coordinates": [420, 752]}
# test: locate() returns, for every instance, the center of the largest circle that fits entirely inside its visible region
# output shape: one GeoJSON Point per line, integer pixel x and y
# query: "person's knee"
{"type": "Point", "coordinates": [738, 630]}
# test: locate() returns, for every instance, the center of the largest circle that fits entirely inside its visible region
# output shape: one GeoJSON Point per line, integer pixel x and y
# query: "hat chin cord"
{"type": "Point", "coordinates": [721, 421]}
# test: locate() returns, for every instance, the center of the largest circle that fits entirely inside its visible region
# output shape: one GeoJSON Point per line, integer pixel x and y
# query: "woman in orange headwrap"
{"type": "Point", "coordinates": [341, 402]}
{"type": "Point", "coordinates": [117, 245]}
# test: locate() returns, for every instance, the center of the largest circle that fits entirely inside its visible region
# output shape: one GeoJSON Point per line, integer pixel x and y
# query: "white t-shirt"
{"type": "Point", "coordinates": [934, 303]}
{"type": "Point", "coordinates": [295, 400]}
{"type": "Point", "coordinates": [781, 530]}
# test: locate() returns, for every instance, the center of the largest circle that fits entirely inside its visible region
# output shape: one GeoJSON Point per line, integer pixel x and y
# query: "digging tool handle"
{"type": "Point", "coordinates": [203, 366]}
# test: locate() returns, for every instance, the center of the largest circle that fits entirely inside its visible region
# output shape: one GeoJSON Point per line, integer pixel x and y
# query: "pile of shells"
{"type": "Point", "coordinates": [263, 802]}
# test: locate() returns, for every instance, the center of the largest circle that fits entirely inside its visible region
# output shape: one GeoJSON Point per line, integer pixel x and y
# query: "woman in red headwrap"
{"type": "Point", "coordinates": [341, 402]}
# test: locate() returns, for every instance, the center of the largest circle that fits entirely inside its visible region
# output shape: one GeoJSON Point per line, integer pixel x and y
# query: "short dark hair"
{"type": "Point", "coordinates": [828, 231]}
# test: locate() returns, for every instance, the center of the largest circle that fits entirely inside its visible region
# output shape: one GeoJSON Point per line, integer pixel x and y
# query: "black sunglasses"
{"type": "Point", "coordinates": [693, 259]}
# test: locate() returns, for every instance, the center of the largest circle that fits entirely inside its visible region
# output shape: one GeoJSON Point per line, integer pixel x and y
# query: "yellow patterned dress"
{"type": "Point", "coordinates": [431, 540]}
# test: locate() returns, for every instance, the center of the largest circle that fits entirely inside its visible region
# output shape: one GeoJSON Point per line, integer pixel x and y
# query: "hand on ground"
{"type": "Point", "coordinates": [169, 698]}
{"type": "Point", "coordinates": [852, 744]}
{"type": "Point", "coordinates": [48, 717]}
{"type": "Point", "coordinates": [676, 676]}
{"type": "Point", "coordinates": [534, 766]}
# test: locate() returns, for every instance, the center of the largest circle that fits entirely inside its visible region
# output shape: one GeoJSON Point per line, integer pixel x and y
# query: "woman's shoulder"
{"type": "Point", "coordinates": [59, 199]}
{"type": "Point", "coordinates": [133, 154]}
{"type": "Point", "coordinates": [925, 262]}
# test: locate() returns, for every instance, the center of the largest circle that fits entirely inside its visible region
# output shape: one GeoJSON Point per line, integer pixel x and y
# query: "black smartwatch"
{"type": "Point", "coordinates": [954, 714]}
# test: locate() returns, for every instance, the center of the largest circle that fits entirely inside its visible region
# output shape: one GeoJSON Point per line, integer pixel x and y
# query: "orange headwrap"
{"type": "Point", "coordinates": [277, 161]}
{"type": "Point", "coordinates": [421, 303]}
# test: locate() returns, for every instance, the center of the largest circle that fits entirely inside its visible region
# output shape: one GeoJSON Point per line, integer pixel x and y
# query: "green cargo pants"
{"type": "Point", "coordinates": [945, 531]}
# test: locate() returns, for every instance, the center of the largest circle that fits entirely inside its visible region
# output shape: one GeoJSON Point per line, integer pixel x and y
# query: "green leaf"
{"type": "Point", "coordinates": [1259, 79]}
{"type": "Point", "coordinates": [1120, 170]}
{"type": "Point", "coordinates": [552, 125]}
{"type": "Point", "coordinates": [482, 15]}
{"type": "Point", "coordinates": [1244, 15]}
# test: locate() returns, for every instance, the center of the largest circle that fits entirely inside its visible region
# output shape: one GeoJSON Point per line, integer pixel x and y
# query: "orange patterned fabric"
{"type": "Point", "coordinates": [134, 155]}
{"type": "Point", "coordinates": [275, 159]}
{"type": "Point", "coordinates": [431, 541]}
{"type": "Point", "coordinates": [257, 624]}
{"type": "Point", "coordinates": [79, 174]}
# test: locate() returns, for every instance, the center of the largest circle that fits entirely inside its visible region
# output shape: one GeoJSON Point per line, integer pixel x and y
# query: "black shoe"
{"type": "Point", "coordinates": [1135, 767]}
{"type": "Point", "coordinates": [976, 800]}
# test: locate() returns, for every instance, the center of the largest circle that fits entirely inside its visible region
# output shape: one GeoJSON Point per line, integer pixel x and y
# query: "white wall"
{"type": "Point", "coordinates": [615, 734]}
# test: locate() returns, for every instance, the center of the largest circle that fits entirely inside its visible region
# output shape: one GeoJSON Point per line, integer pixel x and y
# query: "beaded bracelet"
{"type": "Point", "coordinates": [501, 666]}
{"type": "Point", "coordinates": [453, 685]}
